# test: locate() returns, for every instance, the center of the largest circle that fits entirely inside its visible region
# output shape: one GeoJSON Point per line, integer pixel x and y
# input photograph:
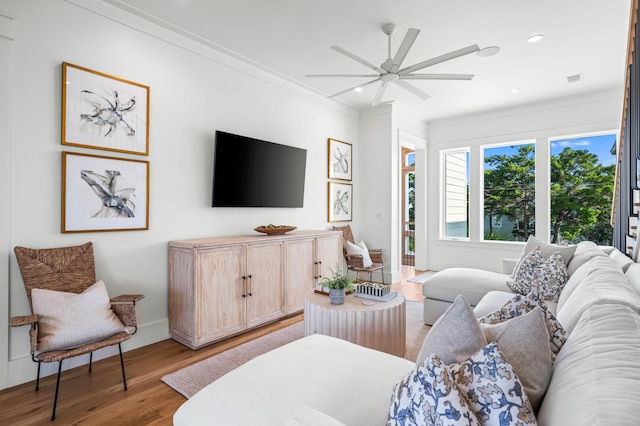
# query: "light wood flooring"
{"type": "Point", "coordinates": [98, 398]}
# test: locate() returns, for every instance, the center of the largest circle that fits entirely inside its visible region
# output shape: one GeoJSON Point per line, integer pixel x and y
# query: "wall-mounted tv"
{"type": "Point", "coordinates": [250, 172]}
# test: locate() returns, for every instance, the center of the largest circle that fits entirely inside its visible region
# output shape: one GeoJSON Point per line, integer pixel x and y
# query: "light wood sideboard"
{"type": "Point", "coordinates": [219, 287]}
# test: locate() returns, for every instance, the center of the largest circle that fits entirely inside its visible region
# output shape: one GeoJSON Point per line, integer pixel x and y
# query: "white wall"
{"type": "Point", "coordinates": [592, 113]}
{"type": "Point", "coordinates": [195, 90]}
{"type": "Point", "coordinates": [383, 129]}
{"type": "Point", "coordinates": [6, 33]}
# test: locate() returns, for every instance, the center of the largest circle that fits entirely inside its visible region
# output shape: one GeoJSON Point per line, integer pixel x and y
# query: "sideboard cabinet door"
{"type": "Point", "coordinates": [265, 292]}
{"type": "Point", "coordinates": [221, 308]}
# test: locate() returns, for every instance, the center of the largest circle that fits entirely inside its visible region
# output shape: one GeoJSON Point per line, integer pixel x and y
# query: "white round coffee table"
{"type": "Point", "coordinates": [381, 326]}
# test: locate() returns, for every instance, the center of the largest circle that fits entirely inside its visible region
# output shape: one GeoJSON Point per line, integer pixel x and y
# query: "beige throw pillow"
{"type": "Point", "coordinates": [68, 320]}
{"type": "Point", "coordinates": [455, 336]}
{"type": "Point", "coordinates": [356, 249]}
{"type": "Point", "coordinates": [524, 342]}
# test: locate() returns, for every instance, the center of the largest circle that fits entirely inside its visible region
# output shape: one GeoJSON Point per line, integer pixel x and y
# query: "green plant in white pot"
{"type": "Point", "coordinates": [338, 285]}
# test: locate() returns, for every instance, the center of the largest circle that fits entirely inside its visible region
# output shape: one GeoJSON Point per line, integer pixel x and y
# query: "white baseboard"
{"type": "Point", "coordinates": [23, 369]}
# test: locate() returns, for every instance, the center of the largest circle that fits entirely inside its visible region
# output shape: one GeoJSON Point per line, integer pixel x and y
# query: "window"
{"type": "Point", "coordinates": [456, 194]}
{"type": "Point", "coordinates": [509, 192]}
{"type": "Point", "coordinates": [582, 179]}
{"type": "Point", "coordinates": [408, 206]}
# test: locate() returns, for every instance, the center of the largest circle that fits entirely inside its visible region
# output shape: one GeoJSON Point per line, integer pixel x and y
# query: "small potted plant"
{"type": "Point", "coordinates": [337, 284]}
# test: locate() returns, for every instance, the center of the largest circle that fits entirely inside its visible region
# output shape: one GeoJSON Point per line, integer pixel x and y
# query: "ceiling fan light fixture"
{"type": "Point", "coordinates": [488, 51]}
{"type": "Point", "coordinates": [390, 70]}
{"type": "Point", "coordinates": [535, 38]}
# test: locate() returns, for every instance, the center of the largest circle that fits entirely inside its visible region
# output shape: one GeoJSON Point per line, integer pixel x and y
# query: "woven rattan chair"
{"type": "Point", "coordinates": [355, 262]}
{"type": "Point", "coordinates": [72, 270]}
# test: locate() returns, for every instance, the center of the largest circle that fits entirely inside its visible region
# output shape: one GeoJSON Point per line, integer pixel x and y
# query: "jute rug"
{"type": "Point", "coordinates": [191, 379]}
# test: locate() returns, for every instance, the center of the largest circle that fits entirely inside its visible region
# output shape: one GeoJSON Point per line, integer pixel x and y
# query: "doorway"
{"type": "Point", "coordinates": [408, 200]}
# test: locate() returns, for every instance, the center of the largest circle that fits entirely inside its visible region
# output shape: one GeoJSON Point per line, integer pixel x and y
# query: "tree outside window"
{"type": "Point", "coordinates": [509, 192]}
{"type": "Point", "coordinates": [582, 180]}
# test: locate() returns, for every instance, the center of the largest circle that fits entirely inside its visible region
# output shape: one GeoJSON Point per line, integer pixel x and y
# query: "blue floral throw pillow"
{"type": "Point", "coordinates": [492, 389]}
{"type": "Point", "coordinates": [483, 390]}
{"type": "Point", "coordinates": [547, 276]}
{"type": "Point", "coordinates": [428, 395]}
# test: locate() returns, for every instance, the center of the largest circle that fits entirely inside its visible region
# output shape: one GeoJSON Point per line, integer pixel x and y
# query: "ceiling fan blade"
{"type": "Point", "coordinates": [411, 88]}
{"type": "Point", "coordinates": [358, 59]}
{"type": "Point", "coordinates": [343, 75]}
{"type": "Point", "coordinates": [437, 76]}
{"type": "Point", "coordinates": [353, 88]}
{"type": "Point", "coordinates": [405, 46]}
{"type": "Point", "coordinates": [379, 94]}
{"type": "Point", "coordinates": [438, 59]}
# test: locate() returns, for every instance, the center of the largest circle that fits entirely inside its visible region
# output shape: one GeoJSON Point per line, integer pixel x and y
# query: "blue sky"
{"type": "Point", "coordinates": [599, 145]}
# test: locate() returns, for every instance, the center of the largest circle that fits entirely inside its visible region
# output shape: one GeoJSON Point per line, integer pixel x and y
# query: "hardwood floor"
{"type": "Point", "coordinates": [98, 398]}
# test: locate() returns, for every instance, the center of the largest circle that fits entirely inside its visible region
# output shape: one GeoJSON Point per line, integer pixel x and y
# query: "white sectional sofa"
{"type": "Point", "coordinates": [320, 380]}
{"type": "Point", "coordinates": [441, 290]}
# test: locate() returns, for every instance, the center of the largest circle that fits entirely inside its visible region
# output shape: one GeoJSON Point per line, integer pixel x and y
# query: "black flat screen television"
{"type": "Point", "coordinates": [250, 172]}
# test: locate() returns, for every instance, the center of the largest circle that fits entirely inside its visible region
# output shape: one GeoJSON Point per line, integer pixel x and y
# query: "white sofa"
{"type": "Point", "coordinates": [320, 380]}
{"type": "Point", "coordinates": [441, 290]}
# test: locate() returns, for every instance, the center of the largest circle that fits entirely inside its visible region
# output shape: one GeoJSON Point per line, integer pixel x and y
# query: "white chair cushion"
{"type": "Point", "coordinates": [68, 320]}
{"type": "Point", "coordinates": [357, 249]}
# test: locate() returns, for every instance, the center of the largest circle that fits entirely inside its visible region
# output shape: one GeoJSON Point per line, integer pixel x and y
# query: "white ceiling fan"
{"type": "Point", "coordinates": [390, 72]}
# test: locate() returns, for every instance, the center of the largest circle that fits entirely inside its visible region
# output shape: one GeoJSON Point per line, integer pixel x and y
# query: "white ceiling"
{"type": "Point", "coordinates": [292, 38]}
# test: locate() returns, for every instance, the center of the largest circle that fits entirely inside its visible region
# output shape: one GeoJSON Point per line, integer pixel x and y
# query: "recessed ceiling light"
{"type": "Point", "coordinates": [488, 51]}
{"type": "Point", "coordinates": [358, 89]}
{"type": "Point", "coordinates": [515, 90]}
{"type": "Point", "coordinates": [534, 38]}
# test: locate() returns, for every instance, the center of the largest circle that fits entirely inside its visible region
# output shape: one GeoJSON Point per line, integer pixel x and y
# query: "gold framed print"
{"type": "Point", "coordinates": [104, 112]}
{"type": "Point", "coordinates": [340, 160]}
{"type": "Point", "coordinates": [104, 193]}
{"type": "Point", "coordinates": [340, 202]}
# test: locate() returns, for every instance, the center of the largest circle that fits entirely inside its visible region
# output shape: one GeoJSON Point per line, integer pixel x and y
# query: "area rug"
{"type": "Point", "coordinates": [422, 278]}
{"type": "Point", "coordinates": [191, 379]}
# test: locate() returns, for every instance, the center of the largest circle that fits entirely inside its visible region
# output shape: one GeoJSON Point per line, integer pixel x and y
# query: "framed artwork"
{"type": "Point", "coordinates": [104, 193]}
{"type": "Point", "coordinates": [104, 112]}
{"type": "Point", "coordinates": [340, 202]}
{"type": "Point", "coordinates": [340, 160]}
